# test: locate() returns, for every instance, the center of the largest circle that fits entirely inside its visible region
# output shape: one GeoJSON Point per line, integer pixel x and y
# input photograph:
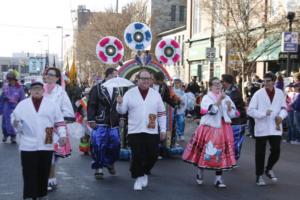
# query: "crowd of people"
{"type": "Point", "coordinates": [41, 121]}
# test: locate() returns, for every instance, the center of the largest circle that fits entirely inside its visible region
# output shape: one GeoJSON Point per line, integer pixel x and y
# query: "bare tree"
{"type": "Point", "coordinates": [107, 23]}
{"type": "Point", "coordinates": [243, 24]}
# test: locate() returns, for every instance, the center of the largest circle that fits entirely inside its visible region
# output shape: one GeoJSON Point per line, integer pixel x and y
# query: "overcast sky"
{"type": "Point", "coordinates": [25, 22]}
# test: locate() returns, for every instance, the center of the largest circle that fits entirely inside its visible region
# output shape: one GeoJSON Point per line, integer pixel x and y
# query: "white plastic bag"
{"type": "Point", "coordinates": [76, 130]}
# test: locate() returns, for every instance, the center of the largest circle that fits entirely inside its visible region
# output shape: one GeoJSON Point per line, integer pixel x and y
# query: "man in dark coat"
{"type": "Point", "coordinates": [104, 120]}
{"type": "Point", "coordinates": [238, 124]}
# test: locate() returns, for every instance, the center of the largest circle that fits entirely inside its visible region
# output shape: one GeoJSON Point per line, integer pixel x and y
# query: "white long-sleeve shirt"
{"type": "Point", "coordinates": [140, 110]}
{"type": "Point", "coordinates": [32, 130]}
{"type": "Point", "coordinates": [213, 113]}
{"type": "Point", "coordinates": [258, 106]}
{"type": "Point", "coordinates": [59, 96]}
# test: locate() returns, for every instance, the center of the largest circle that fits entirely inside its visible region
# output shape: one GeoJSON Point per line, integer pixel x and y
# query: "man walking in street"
{"type": "Point", "coordinates": [238, 124]}
{"type": "Point", "coordinates": [35, 118]}
{"type": "Point", "coordinates": [268, 108]}
{"type": "Point", "coordinates": [146, 112]}
{"type": "Point", "coordinates": [104, 120]}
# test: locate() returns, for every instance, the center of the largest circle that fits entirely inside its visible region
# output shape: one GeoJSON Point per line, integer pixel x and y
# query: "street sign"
{"type": "Point", "coordinates": [289, 42]}
{"type": "Point", "coordinates": [210, 53]}
{"type": "Point", "coordinates": [284, 56]}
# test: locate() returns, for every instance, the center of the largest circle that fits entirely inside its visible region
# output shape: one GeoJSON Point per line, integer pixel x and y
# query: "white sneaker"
{"type": "Point", "coordinates": [199, 179]}
{"type": "Point", "coordinates": [219, 183]}
{"type": "Point", "coordinates": [138, 184]}
{"type": "Point", "coordinates": [260, 181]}
{"type": "Point", "coordinates": [144, 180]}
{"type": "Point", "coordinates": [270, 174]}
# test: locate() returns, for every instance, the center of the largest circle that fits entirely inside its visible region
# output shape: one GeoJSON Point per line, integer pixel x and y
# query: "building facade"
{"type": "Point", "coordinates": [205, 31]}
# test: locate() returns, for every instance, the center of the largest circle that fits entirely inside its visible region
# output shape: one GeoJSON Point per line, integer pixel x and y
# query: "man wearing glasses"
{"type": "Point", "coordinates": [268, 108]}
{"type": "Point", "coordinates": [146, 112]}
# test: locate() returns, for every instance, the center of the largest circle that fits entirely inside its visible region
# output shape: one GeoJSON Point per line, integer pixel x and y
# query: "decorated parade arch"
{"type": "Point", "coordinates": [131, 67]}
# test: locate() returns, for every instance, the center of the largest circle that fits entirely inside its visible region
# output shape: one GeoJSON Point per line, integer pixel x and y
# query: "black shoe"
{"type": "Point", "coordinates": [270, 174]}
{"type": "Point", "coordinates": [13, 140]}
{"type": "Point", "coordinates": [111, 169]}
{"type": "Point", "coordinates": [99, 175]}
{"type": "Point", "coordinates": [4, 139]}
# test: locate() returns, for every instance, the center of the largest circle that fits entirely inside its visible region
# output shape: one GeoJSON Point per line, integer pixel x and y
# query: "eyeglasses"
{"type": "Point", "coordinates": [145, 78]}
{"type": "Point", "coordinates": [216, 83]}
{"type": "Point", "coordinates": [267, 80]}
{"type": "Point", "coordinates": [49, 74]}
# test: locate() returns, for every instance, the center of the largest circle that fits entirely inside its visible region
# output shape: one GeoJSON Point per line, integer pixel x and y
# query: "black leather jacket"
{"type": "Point", "coordinates": [235, 95]}
{"type": "Point", "coordinates": [101, 109]}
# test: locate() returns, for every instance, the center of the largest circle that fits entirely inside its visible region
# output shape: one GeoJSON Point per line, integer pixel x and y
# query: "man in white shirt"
{"type": "Point", "coordinates": [35, 119]}
{"type": "Point", "coordinates": [146, 112]}
{"type": "Point", "coordinates": [268, 108]}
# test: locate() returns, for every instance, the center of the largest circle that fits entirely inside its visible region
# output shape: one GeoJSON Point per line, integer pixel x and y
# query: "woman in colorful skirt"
{"type": "Point", "coordinates": [212, 146]}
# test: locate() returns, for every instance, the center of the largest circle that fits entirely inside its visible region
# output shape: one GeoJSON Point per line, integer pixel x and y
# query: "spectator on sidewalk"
{"type": "Point", "coordinates": [193, 86]}
{"type": "Point", "coordinates": [296, 108]}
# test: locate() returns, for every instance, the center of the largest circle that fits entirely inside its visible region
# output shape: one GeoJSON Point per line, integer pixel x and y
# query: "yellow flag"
{"type": "Point", "coordinates": [73, 73]}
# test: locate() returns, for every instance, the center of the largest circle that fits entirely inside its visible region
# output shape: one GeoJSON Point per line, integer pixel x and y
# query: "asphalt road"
{"type": "Point", "coordinates": [171, 179]}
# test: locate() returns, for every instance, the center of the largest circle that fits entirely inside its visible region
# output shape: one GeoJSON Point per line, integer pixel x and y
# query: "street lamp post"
{"type": "Point", "coordinates": [47, 42]}
{"type": "Point", "coordinates": [41, 46]}
{"type": "Point", "coordinates": [290, 16]}
{"type": "Point", "coordinates": [62, 45]}
{"type": "Point", "coordinates": [291, 7]}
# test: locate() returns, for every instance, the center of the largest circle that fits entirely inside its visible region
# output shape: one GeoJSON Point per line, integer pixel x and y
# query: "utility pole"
{"type": "Point", "coordinates": [290, 17]}
{"type": "Point", "coordinates": [117, 6]}
{"type": "Point", "coordinates": [212, 40]}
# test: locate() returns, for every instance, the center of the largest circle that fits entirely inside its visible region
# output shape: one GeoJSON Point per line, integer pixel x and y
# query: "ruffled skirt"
{"type": "Point", "coordinates": [211, 148]}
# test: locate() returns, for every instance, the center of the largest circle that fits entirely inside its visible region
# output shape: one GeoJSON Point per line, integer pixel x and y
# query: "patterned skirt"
{"type": "Point", "coordinates": [211, 148]}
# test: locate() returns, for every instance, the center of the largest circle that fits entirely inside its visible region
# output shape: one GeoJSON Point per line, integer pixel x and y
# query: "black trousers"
{"type": "Point", "coordinates": [260, 152]}
{"type": "Point", "coordinates": [144, 149]}
{"type": "Point", "coordinates": [36, 169]}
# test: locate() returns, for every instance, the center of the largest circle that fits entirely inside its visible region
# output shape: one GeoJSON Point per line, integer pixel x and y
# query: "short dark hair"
{"type": "Point", "coordinates": [210, 83]}
{"type": "Point", "coordinates": [109, 71]}
{"type": "Point", "coordinates": [228, 78]}
{"type": "Point", "coordinates": [159, 76]}
{"type": "Point", "coordinates": [271, 76]}
{"type": "Point", "coordinates": [57, 74]}
{"type": "Point", "coordinates": [57, 71]}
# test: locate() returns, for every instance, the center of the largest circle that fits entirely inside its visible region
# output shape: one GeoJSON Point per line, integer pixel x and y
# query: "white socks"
{"type": "Point", "coordinates": [100, 170]}
{"type": "Point", "coordinates": [200, 173]}
{"type": "Point", "coordinates": [218, 178]}
{"type": "Point", "coordinates": [52, 181]}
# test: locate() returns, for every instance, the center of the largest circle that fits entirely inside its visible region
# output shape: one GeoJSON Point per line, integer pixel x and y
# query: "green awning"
{"type": "Point", "coordinates": [269, 49]}
{"type": "Point", "coordinates": [197, 51]}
